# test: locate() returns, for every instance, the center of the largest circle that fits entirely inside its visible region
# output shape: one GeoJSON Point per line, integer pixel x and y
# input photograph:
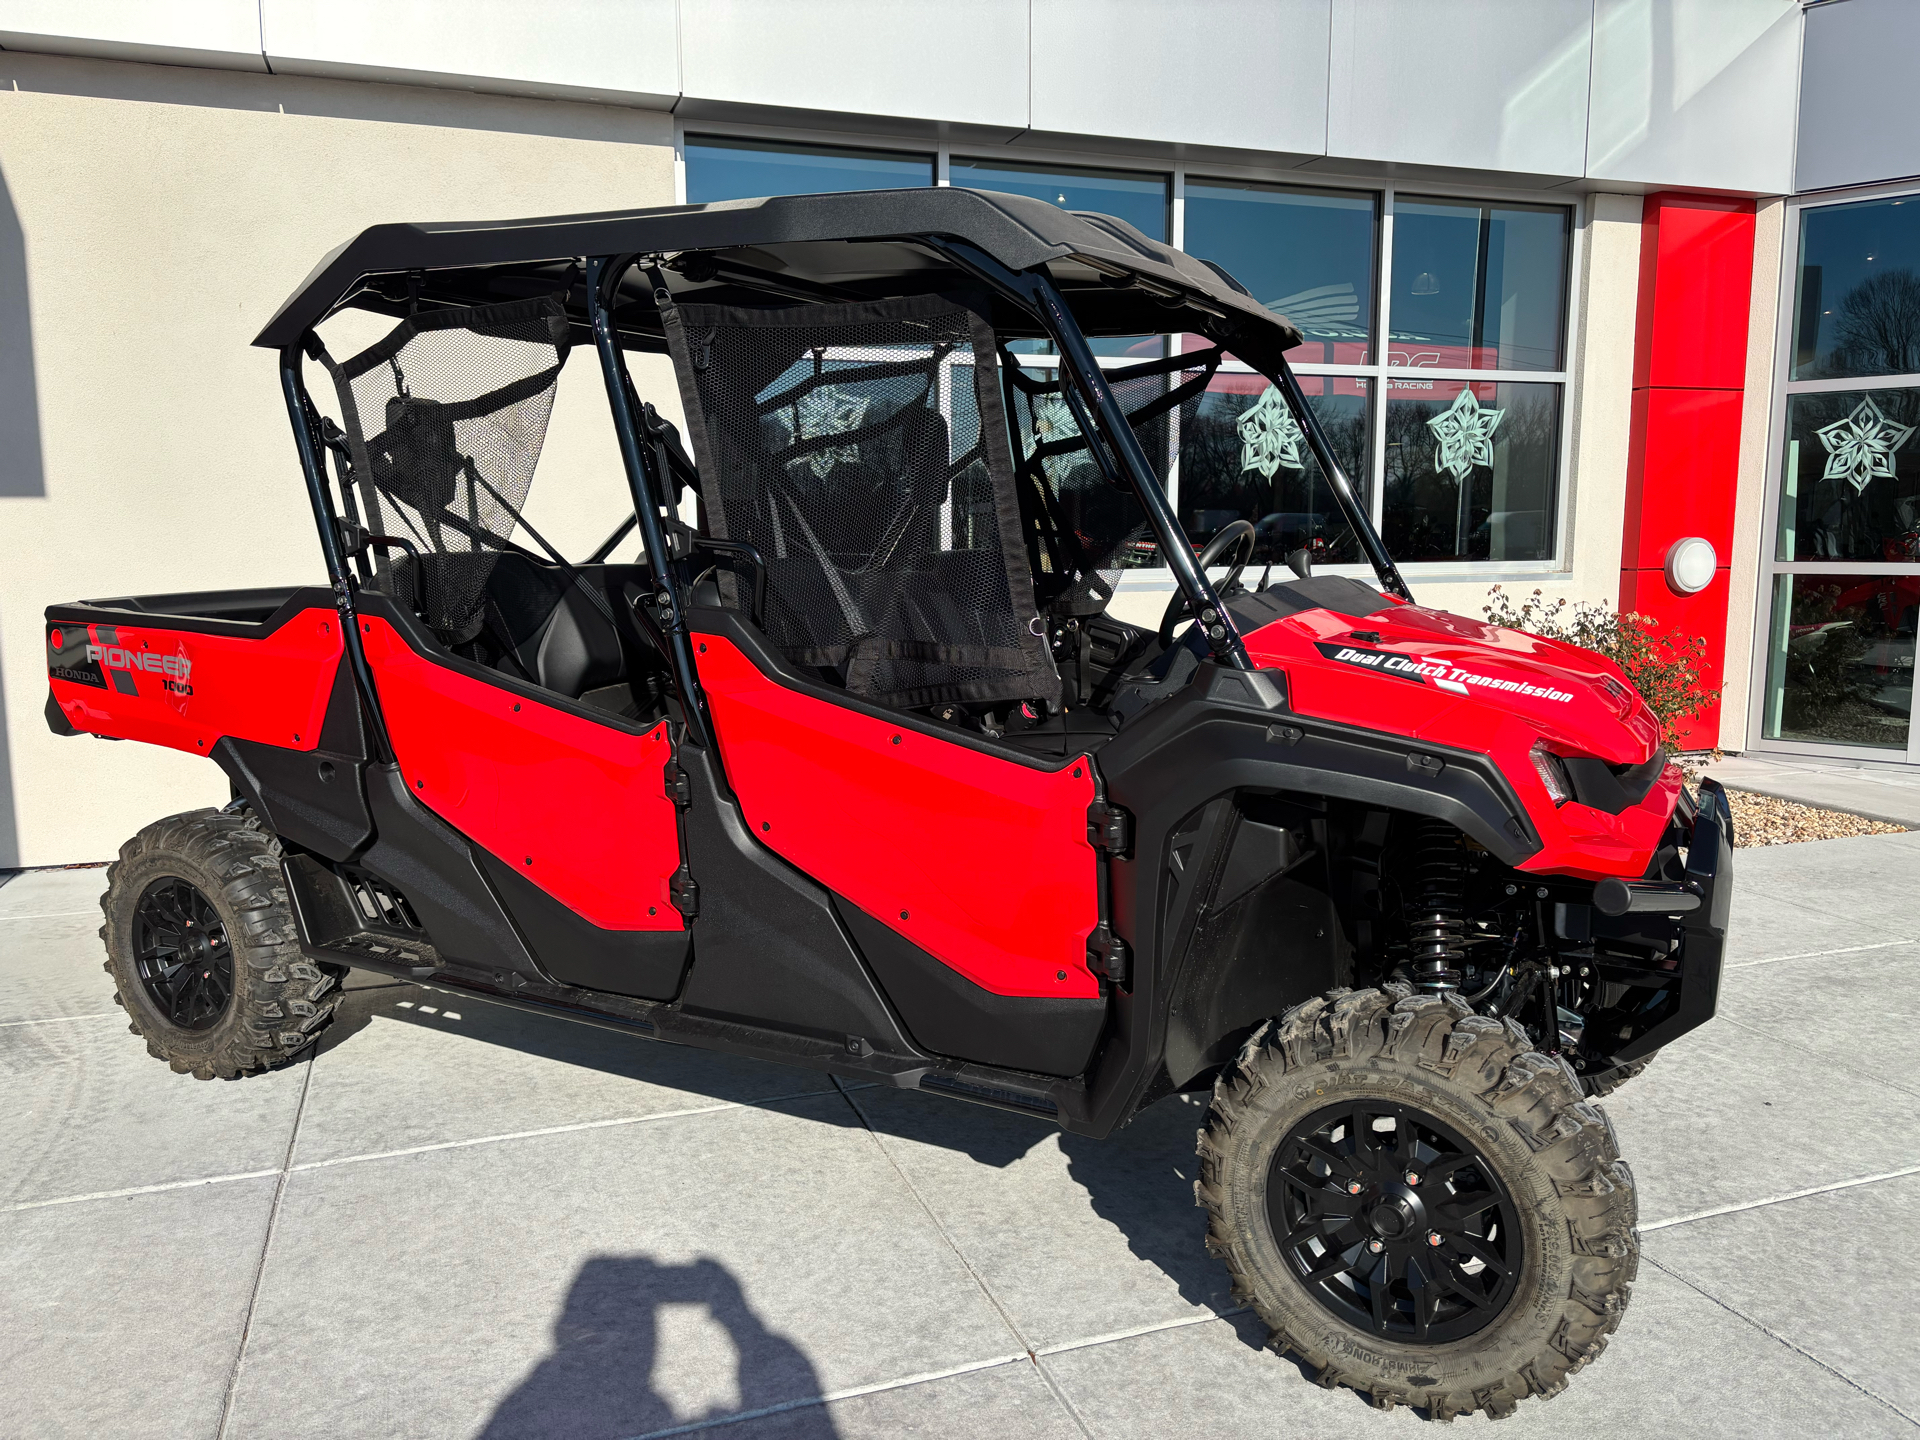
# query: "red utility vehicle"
{"type": "Point", "coordinates": [849, 765]}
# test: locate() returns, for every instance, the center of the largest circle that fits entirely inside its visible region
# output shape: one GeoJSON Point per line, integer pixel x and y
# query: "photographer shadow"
{"type": "Point", "coordinates": [600, 1378]}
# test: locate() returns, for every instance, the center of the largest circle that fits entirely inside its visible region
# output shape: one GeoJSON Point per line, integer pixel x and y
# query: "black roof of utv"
{"type": "Point", "coordinates": [1019, 232]}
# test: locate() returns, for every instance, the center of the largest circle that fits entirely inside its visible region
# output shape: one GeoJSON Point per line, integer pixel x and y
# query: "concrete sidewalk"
{"type": "Point", "coordinates": [1880, 792]}
{"type": "Point", "coordinates": [457, 1220]}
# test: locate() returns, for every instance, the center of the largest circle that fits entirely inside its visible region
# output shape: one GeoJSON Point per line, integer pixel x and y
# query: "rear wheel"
{"type": "Point", "coordinates": [203, 951]}
{"type": "Point", "coordinates": [1418, 1205]}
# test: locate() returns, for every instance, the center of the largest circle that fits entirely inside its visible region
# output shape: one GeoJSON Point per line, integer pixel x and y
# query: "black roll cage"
{"type": "Point", "coordinates": [1032, 291]}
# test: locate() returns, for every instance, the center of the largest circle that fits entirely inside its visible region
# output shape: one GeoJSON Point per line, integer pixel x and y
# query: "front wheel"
{"type": "Point", "coordinates": [1418, 1205]}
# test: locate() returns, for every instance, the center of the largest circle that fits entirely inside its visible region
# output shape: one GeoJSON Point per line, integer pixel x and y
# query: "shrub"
{"type": "Point", "coordinates": [1666, 669]}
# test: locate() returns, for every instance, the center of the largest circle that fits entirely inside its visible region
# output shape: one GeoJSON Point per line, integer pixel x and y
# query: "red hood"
{"type": "Point", "coordinates": [1441, 678]}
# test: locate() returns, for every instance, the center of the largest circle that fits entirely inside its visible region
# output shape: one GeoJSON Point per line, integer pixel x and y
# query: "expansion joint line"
{"type": "Point", "coordinates": [266, 1245]}
{"type": "Point", "coordinates": [968, 1266]}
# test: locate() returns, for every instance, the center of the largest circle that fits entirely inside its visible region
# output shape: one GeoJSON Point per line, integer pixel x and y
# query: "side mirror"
{"type": "Point", "coordinates": [1301, 563]}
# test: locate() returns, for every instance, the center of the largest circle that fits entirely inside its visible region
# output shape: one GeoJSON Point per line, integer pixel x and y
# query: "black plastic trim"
{"type": "Point", "coordinates": [433, 865]}
{"type": "Point", "coordinates": [951, 1016]}
{"type": "Point", "coordinates": [57, 721]}
{"type": "Point", "coordinates": [1340, 594]}
{"type": "Point", "coordinates": [157, 612]}
{"type": "Point", "coordinates": [316, 799]}
{"type": "Point", "coordinates": [1189, 749]}
{"type": "Point", "coordinates": [1704, 931]}
{"type": "Point", "coordinates": [1263, 933]}
{"type": "Point", "coordinates": [769, 950]}
{"type": "Point", "coordinates": [648, 965]}
{"type": "Point", "coordinates": [1610, 788]}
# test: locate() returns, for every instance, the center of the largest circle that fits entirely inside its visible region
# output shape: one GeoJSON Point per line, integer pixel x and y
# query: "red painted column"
{"type": "Point", "coordinates": [1690, 362]}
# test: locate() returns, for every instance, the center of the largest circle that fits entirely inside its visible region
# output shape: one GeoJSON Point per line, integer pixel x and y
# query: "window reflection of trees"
{"type": "Point", "coordinates": [1293, 509]}
{"type": "Point", "coordinates": [1427, 514]}
{"type": "Point", "coordinates": [1875, 331]}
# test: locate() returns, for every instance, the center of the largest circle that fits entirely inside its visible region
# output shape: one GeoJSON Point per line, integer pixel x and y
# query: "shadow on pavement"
{"type": "Point", "coordinates": [599, 1380]}
{"type": "Point", "coordinates": [1140, 1179]}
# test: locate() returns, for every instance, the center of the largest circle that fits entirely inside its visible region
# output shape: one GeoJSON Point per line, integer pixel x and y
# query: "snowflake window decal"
{"type": "Point", "coordinates": [1270, 436]}
{"type": "Point", "coordinates": [823, 411]}
{"type": "Point", "coordinates": [1464, 435]}
{"type": "Point", "coordinates": [1053, 420]}
{"type": "Point", "coordinates": [1861, 445]}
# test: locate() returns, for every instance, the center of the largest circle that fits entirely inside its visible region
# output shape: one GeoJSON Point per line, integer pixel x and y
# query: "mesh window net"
{"type": "Point", "coordinates": [445, 419]}
{"type": "Point", "coordinates": [1081, 529]}
{"type": "Point", "coordinates": [861, 449]}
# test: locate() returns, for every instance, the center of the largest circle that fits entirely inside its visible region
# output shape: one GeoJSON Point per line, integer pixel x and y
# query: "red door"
{"type": "Point", "coordinates": [577, 806]}
{"type": "Point", "coordinates": [981, 861]}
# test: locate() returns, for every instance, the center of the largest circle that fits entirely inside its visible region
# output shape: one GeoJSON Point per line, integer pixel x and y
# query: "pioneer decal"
{"type": "Point", "coordinates": [93, 656]}
{"type": "Point", "coordinates": [115, 658]}
{"type": "Point", "coordinates": [1435, 673]}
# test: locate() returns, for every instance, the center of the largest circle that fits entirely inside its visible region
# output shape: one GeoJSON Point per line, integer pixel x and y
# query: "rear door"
{"type": "Point", "coordinates": [492, 669]}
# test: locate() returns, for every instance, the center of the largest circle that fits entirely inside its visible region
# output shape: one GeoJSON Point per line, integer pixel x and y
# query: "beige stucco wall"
{"type": "Point", "coordinates": [151, 219]}
{"type": "Point", "coordinates": [1751, 482]}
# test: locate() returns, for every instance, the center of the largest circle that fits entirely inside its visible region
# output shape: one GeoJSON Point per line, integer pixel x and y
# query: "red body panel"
{"type": "Point", "coordinates": [578, 808]}
{"type": "Point", "coordinates": [1690, 365]}
{"type": "Point", "coordinates": [982, 862]}
{"type": "Point", "coordinates": [1684, 447]}
{"type": "Point", "coordinates": [1487, 689]}
{"type": "Point", "coordinates": [186, 690]}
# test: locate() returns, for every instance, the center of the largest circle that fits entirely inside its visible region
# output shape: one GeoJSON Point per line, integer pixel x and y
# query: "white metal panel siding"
{"type": "Point", "coordinates": [1249, 74]}
{"type": "Point", "coordinates": [1860, 94]}
{"type": "Point", "coordinates": [1480, 87]}
{"type": "Point", "coordinates": [616, 50]}
{"type": "Point", "coordinates": [1695, 93]}
{"type": "Point", "coordinates": [923, 59]}
{"type": "Point", "coordinates": [222, 34]}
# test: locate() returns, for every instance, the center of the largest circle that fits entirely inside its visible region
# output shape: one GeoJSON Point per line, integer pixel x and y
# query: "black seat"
{"type": "Point", "coordinates": [559, 637]}
{"type": "Point", "coordinates": [534, 621]}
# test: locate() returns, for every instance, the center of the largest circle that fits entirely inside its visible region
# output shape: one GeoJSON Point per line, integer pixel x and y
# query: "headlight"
{"type": "Point", "coordinates": [1553, 774]}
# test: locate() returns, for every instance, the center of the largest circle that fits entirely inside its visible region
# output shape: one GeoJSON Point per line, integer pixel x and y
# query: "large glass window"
{"type": "Point", "coordinates": [1842, 662]}
{"type": "Point", "coordinates": [1306, 254]}
{"type": "Point", "coordinates": [1140, 200]}
{"type": "Point", "coordinates": [1246, 459]}
{"type": "Point", "coordinates": [719, 168]}
{"type": "Point", "coordinates": [1855, 290]}
{"type": "Point", "coordinates": [1464, 460]}
{"type": "Point", "coordinates": [1838, 603]}
{"type": "Point", "coordinates": [1470, 470]}
{"type": "Point", "coordinates": [1849, 477]}
{"type": "Point", "coordinates": [1439, 373]}
{"type": "Point", "coordinates": [1478, 287]}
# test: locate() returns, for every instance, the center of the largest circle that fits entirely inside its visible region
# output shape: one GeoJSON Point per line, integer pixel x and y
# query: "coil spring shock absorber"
{"type": "Point", "coordinates": [1435, 880]}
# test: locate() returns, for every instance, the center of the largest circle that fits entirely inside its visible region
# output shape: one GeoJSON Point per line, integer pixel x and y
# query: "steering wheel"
{"type": "Point", "coordinates": [1237, 537]}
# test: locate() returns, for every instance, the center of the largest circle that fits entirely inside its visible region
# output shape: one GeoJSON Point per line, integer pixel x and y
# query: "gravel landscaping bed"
{"type": "Point", "coordinates": [1765, 821]}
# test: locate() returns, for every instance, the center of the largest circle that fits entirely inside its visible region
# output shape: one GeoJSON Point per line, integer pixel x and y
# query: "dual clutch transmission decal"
{"type": "Point", "coordinates": [1435, 673]}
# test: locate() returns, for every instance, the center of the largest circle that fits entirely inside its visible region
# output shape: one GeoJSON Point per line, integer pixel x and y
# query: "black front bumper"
{"type": "Point", "coordinates": [1653, 1005]}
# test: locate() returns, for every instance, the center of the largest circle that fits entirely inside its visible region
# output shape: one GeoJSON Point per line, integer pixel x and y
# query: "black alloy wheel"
{"type": "Point", "coordinates": [1394, 1222]}
{"type": "Point", "coordinates": [182, 954]}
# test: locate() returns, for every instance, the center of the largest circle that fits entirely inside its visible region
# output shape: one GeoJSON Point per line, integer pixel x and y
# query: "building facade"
{"type": "Point", "coordinates": [1612, 299]}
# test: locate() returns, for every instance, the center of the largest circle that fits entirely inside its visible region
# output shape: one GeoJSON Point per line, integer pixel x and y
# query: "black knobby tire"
{"type": "Point", "coordinates": [1548, 1151]}
{"type": "Point", "coordinates": [263, 1002]}
{"type": "Point", "coordinates": [1606, 1083]}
